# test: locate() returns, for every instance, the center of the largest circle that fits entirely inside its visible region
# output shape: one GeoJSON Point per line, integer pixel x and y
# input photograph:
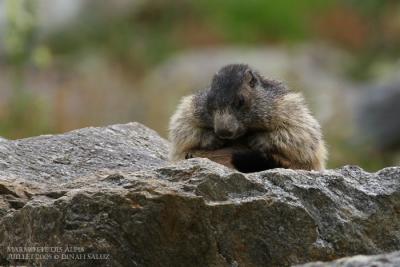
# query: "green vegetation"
{"type": "Point", "coordinates": [154, 30]}
{"type": "Point", "coordinates": [257, 21]}
{"type": "Point", "coordinates": [25, 114]}
{"type": "Point", "coordinates": [148, 35]}
{"type": "Point", "coordinates": [141, 37]}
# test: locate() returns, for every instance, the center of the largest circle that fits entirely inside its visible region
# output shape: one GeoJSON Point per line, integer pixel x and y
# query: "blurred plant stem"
{"type": "Point", "coordinates": [19, 47]}
{"type": "Point", "coordinates": [21, 26]}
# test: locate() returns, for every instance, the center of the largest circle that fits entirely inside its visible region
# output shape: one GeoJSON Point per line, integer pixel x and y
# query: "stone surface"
{"type": "Point", "coordinates": [43, 163]}
{"type": "Point", "coordinates": [377, 115]}
{"type": "Point", "coordinates": [384, 260]}
{"type": "Point", "coordinates": [110, 193]}
{"type": "Point", "coordinates": [67, 156]}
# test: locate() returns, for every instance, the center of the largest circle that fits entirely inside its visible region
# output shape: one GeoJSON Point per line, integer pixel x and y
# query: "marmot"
{"type": "Point", "coordinates": [247, 122]}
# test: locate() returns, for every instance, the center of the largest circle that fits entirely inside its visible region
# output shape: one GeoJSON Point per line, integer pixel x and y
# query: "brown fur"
{"type": "Point", "coordinates": [276, 122]}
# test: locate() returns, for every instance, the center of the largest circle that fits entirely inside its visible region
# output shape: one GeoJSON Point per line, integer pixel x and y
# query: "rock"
{"type": "Point", "coordinates": [377, 115]}
{"type": "Point", "coordinates": [384, 260]}
{"type": "Point", "coordinates": [108, 197]}
{"type": "Point", "coordinates": [43, 163]}
{"type": "Point", "coordinates": [77, 153]}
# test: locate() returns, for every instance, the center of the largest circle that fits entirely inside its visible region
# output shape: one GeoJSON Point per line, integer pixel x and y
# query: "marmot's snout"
{"type": "Point", "coordinates": [224, 133]}
{"type": "Point", "coordinates": [226, 126]}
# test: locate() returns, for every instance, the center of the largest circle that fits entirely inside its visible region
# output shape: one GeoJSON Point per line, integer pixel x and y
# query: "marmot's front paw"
{"type": "Point", "coordinates": [189, 155]}
{"type": "Point", "coordinates": [211, 142]}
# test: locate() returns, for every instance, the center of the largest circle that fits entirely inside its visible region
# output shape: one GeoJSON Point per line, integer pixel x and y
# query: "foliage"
{"type": "Point", "coordinates": [25, 114]}
{"type": "Point", "coordinates": [255, 21]}
{"type": "Point", "coordinates": [151, 31]}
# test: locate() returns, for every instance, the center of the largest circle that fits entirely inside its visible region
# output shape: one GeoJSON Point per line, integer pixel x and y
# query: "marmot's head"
{"type": "Point", "coordinates": [239, 100]}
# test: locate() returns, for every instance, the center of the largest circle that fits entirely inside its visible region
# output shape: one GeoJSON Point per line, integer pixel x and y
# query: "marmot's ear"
{"type": "Point", "coordinates": [249, 78]}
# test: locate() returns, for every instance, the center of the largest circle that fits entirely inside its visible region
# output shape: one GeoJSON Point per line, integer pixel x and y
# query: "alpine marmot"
{"type": "Point", "coordinates": [247, 122]}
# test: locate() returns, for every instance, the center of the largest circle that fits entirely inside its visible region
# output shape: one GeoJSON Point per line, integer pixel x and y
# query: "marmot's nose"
{"type": "Point", "coordinates": [224, 133]}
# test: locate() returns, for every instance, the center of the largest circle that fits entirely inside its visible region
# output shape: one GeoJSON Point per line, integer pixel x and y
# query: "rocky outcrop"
{"type": "Point", "coordinates": [109, 197]}
{"type": "Point", "coordinates": [48, 163]}
{"type": "Point", "coordinates": [384, 260]}
{"type": "Point", "coordinates": [377, 115]}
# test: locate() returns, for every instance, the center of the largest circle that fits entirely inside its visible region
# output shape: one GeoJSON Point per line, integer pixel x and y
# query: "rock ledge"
{"type": "Point", "coordinates": [111, 193]}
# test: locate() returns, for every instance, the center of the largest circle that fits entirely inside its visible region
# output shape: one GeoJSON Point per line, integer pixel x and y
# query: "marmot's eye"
{"type": "Point", "coordinates": [253, 82]}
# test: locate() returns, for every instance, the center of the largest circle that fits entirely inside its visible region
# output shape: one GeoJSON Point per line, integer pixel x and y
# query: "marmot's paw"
{"type": "Point", "coordinates": [211, 142]}
{"type": "Point", "coordinates": [189, 156]}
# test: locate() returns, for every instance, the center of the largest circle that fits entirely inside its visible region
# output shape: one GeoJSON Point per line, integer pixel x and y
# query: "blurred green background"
{"type": "Point", "coordinates": [67, 64]}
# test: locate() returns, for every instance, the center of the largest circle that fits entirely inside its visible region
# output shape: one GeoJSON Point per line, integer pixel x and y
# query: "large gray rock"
{"type": "Point", "coordinates": [44, 163]}
{"type": "Point", "coordinates": [377, 114]}
{"type": "Point", "coordinates": [108, 197]}
{"type": "Point", "coordinates": [384, 260]}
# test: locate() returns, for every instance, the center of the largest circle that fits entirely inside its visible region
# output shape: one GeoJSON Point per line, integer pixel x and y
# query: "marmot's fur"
{"type": "Point", "coordinates": [248, 122]}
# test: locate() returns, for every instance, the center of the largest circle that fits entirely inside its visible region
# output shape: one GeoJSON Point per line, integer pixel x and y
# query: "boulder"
{"type": "Point", "coordinates": [383, 260]}
{"type": "Point", "coordinates": [109, 197]}
{"type": "Point", "coordinates": [377, 112]}
{"type": "Point", "coordinates": [49, 162]}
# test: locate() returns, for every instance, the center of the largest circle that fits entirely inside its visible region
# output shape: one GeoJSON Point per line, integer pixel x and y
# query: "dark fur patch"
{"type": "Point", "coordinates": [253, 161]}
{"type": "Point", "coordinates": [226, 84]}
